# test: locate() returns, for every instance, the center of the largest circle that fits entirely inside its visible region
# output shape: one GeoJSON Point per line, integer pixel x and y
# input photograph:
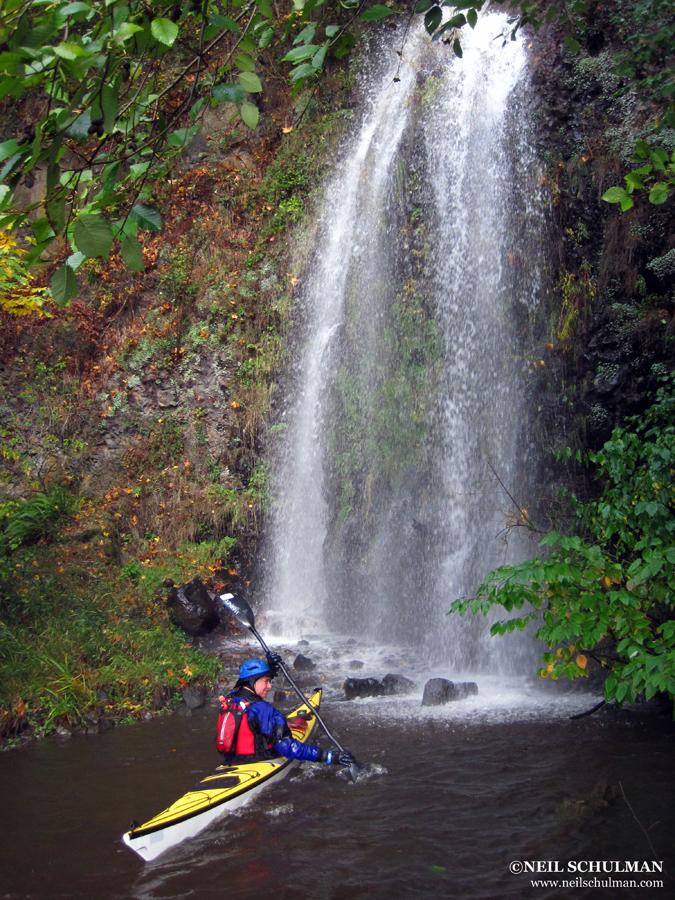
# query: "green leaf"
{"type": "Point", "coordinates": [332, 30]}
{"type": "Point", "coordinates": [433, 19]}
{"type": "Point", "coordinates": [457, 48]}
{"type": "Point", "coordinates": [250, 82]}
{"type": "Point", "coordinates": [70, 9]}
{"type": "Point", "coordinates": [572, 44]}
{"type": "Point", "coordinates": [265, 7]}
{"type": "Point", "coordinates": [132, 254]}
{"type": "Point", "coordinates": [456, 21]}
{"type": "Point", "coordinates": [615, 195]}
{"type": "Point", "coordinates": [298, 54]}
{"type": "Point", "coordinates": [75, 260]}
{"type": "Point", "coordinates": [659, 193]}
{"type": "Point", "coordinates": [147, 217]}
{"type": "Point", "coordinates": [266, 38]}
{"type": "Point", "coordinates": [164, 30]}
{"type": "Point", "coordinates": [7, 149]}
{"type": "Point", "coordinates": [306, 36]}
{"type": "Point", "coordinates": [305, 70]}
{"type": "Point", "coordinates": [228, 93]}
{"type": "Point", "coordinates": [250, 114]}
{"type": "Point", "coordinates": [375, 13]}
{"type": "Point", "coordinates": [93, 236]}
{"type": "Point", "coordinates": [126, 31]}
{"type": "Point", "coordinates": [69, 50]}
{"type": "Point", "coordinates": [244, 62]}
{"type": "Point", "coordinates": [5, 193]}
{"type": "Point", "coordinates": [224, 23]}
{"type": "Point", "coordinates": [109, 106]}
{"type": "Point", "coordinates": [319, 58]}
{"type": "Point", "coordinates": [423, 5]}
{"type": "Point", "coordinates": [63, 285]}
{"type": "Point", "coordinates": [472, 17]}
{"type": "Point", "coordinates": [181, 137]}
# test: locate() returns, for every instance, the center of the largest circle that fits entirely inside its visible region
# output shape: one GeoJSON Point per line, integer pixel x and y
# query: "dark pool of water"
{"type": "Point", "coordinates": [459, 802]}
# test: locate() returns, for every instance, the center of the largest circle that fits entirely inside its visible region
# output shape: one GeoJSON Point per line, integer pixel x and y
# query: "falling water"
{"type": "Point", "coordinates": [410, 392]}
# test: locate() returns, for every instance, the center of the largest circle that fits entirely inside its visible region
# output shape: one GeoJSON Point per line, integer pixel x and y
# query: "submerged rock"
{"type": "Point", "coordinates": [303, 663]}
{"type": "Point", "coordinates": [192, 608]}
{"type": "Point", "coordinates": [397, 684]}
{"type": "Point", "coordinates": [438, 691]}
{"type": "Point", "coordinates": [362, 687]}
{"type": "Point", "coordinates": [371, 687]}
{"type": "Point", "coordinates": [194, 697]}
{"type": "Point", "coordinates": [356, 664]}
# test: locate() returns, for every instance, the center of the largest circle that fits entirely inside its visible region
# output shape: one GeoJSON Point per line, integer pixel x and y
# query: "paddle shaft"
{"type": "Point", "coordinates": [299, 692]}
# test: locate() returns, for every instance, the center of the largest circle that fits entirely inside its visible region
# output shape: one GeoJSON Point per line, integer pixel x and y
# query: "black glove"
{"type": "Point", "coordinates": [338, 758]}
{"type": "Point", "coordinates": [274, 662]}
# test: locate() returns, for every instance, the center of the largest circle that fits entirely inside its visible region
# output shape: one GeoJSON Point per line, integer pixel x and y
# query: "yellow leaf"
{"type": "Point", "coordinates": [581, 661]}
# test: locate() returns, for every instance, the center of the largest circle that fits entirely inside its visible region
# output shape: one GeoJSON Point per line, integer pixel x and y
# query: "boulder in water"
{"type": "Point", "coordinates": [194, 697]}
{"type": "Point", "coordinates": [192, 608]}
{"type": "Point", "coordinates": [356, 664]}
{"type": "Point", "coordinates": [397, 684]}
{"type": "Point", "coordinates": [303, 663]}
{"type": "Point", "coordinates": [462, 689]}
{"type": "Point", "coordinates": [363, 687]}
{"type": "Point", "coordinates": [438, 691]}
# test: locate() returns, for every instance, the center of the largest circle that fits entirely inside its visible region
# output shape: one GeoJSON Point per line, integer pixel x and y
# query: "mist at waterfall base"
{"type": "Point", "coordinates": [410, 384]}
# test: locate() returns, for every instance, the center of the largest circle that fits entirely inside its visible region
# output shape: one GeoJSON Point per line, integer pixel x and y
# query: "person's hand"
{"type": "Point", "coordinates": [338, 758]}
{"type": "Point", "coordinates": [345, 759]}
{"type": "Point", "coordinates": [274, 662]}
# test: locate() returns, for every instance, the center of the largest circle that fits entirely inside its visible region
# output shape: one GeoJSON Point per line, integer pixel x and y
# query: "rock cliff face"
{"type": "Point", "coordinates": [610, 330]}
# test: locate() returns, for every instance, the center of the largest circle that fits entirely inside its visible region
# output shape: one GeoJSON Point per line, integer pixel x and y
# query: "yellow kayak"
{"type": "Point", "coordinates": [229, 787]}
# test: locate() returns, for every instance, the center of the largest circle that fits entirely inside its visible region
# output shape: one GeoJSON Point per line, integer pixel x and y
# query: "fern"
{"type": "Point", "coordinates": [30, 520]}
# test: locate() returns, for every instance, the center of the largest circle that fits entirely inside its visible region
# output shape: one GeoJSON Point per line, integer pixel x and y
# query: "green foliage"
{"type": "Point", "coordinates": [165, 442]}
{"type": "Point", "coordinates": [655, 173]}
{"type": "Point", "coordinates": [26, 521]}
{"type": "Point", "coordinates": [121, 88]}
{"type": "Point", "coordinates": [608, 592]}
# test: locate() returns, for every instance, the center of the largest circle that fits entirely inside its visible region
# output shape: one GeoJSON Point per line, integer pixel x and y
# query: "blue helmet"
{"type": "Point", "coordinates": [254, 668]}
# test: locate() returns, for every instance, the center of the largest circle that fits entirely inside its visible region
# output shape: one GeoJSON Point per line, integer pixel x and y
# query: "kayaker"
{"type": "Point", "coordinates": [251, 728]}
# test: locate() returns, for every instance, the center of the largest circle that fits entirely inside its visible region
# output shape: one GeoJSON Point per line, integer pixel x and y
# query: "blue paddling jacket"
{"type": "Point", "coordinates": [264, 732]}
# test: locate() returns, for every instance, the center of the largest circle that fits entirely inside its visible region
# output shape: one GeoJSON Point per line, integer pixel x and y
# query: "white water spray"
{"type": "Point", "coordinates": [429, 534]}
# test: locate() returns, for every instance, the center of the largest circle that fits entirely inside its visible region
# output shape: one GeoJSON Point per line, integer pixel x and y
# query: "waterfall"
{"type": "Point", "coordinates": [411, 382]}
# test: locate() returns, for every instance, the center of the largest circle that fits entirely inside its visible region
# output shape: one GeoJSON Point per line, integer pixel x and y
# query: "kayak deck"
{"type": "Point", "coordinates": [227, 788]}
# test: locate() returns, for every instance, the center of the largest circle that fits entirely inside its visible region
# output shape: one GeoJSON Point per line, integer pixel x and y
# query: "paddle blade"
{"type": "Point", "coordinates": [238, 608]}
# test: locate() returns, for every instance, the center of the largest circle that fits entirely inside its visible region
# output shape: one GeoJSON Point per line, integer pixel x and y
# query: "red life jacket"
{"type": "Point", "coordinates": [234, 734]}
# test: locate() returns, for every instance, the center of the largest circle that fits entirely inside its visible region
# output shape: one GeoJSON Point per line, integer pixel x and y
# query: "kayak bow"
{"type": "Point", "coordinates": [227, 788]}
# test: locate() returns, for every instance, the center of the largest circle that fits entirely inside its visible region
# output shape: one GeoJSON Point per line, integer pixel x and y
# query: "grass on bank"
{"type": "Point", "coordinates": [83, 642]}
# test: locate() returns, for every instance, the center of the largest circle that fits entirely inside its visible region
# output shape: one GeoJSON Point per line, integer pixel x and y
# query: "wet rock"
{"type": "Point", "coordinates": [397, 684]}
{"type": "Point", "coordinates": [462, 689]}
{"type": "Point", "coordinates": [63, 732]}
{"type": "Point", "coordinates": [303, 663]}
{"type": "Point", "coordinates": [362, 687]}
{"type": "Point", "coordinates": [194, 697]}
{"type": "Point", "coordinates": [192, 608]}
{"type": "Point", "coordinates": [438, 691]}
{"type": "Point", "coordinates": [355, 664]}
{"type": "Point", "coordinates": [303, 643]}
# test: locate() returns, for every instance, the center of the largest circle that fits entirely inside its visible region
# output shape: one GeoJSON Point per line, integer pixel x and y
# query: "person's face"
{"type": "Point", "coordinates": [263, 686]}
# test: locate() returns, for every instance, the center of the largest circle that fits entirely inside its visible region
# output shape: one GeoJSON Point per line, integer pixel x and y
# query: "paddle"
{"type": "Point", "coordinates": [243, 613]}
